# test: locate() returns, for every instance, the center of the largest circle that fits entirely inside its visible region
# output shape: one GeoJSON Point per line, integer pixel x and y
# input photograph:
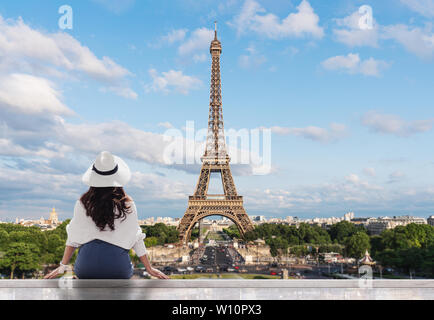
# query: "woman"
{"type": "Point", "coordinates": [105, 226]}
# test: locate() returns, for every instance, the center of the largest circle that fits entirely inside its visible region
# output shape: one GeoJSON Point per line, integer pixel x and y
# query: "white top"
{"type": "Point", "coordinates": [127, 233]}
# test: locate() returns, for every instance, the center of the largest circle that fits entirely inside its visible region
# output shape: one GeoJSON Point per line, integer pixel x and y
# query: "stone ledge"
{"type": "Point", "coordinates": [219, 289]}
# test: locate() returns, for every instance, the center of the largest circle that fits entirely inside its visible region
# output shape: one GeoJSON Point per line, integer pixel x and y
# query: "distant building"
{"type": "Point", "coordinates": [349, 216]}
{"type": "Point", "coordinates": [430, 220]}
{"type": "Point", "coordinates": [258, 219]}
{"type": "Point", "coordinates": [54, 219]}
{"type": "Point", "coordinates": [331, 257]}
{"type": "Point", "coordinates": [45, 224]}
{"type": "Point", "coordinates": [367, 260]}
{"type": "Point", "coordinates": [377, 225]}
{"type": "Point", "coordinates": [361, 221]}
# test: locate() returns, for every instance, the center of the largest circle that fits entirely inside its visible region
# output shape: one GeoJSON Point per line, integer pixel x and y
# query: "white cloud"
{"type": "Point", "coordinates": [336, 132]}
{"type": "Point", "coordinates": [352, 64]}
{"type": "Point", "coordinates": [369, 172]}
{"type": "Point", "coordinates": [396, 176]}
{"type": "Point", "coordinates": [29, 197]}
{"type": "Point", "coordinates": [153, 186]}
{"type": "Point", "coordinates": [419, 41]}
{"type": "Point", "coordinates": [392, 124]}
{"type": "Point", "coordinates": [26, 50]}
{"type": "Point", "coordinates": [172, 80]}
{"type": "Point", "coordinates": [254, 18]}
{"type": "Point", "coordinates": [423, 7]}
{"type": "Point", "coordinates": [251, 60]}
{"type": "Point", "coordinates": [194, 47]}
{"type": "Point", "coordinates": [174, 36]}
{"type": "Point", "coordinates": [415, 40]}
{"type": "Point", "coordinates": [199, 57]}
{"type": "Point", "coordinates": [337, 196]}
{"type": "Point", "coordinates": [127, 93]}
{"type": "Point", "coordinates": [30, 95]}
{"type": "Point", "coordinates": [353, 178]}
{"type": "Point", "coordinates": [166, 125]}
{"type": "Point", "coordinates": [352, 35]}
{"type": "Point", "coordinates": [199, 40]}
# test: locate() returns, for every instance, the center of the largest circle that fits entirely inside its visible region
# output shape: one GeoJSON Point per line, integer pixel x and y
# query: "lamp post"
{"type": "Point", "coordinates": [257, 256]}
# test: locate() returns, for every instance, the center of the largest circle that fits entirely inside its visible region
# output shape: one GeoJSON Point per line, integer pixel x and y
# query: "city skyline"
{"type": "Point", "coordinates": [349, 108]}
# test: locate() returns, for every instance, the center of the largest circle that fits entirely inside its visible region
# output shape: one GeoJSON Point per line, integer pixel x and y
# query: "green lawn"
{"type": "Point", "coordinates": [215, 236]}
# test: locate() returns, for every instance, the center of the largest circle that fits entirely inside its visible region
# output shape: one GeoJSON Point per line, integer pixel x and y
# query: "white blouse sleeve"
{"type": "Point", "coordinates": [74, 229]}
{"type": "Point", "coordinates": [139, 247]}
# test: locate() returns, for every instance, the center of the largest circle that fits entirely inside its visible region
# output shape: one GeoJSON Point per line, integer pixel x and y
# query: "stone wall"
{"type": "Point", "coordinates": [167, 255]}
{"type": "Point", "coordinates": [225, 289]}
{"type": "Point", "coordinates": [252, 254]}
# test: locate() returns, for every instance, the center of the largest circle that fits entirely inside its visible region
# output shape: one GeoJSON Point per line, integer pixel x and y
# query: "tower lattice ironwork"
{"type": "Point", "coordinates": [215, 160]}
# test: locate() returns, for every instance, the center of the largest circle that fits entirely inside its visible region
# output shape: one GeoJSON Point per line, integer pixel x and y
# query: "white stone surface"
{"type": "Point", "coordinates": [222, 289]}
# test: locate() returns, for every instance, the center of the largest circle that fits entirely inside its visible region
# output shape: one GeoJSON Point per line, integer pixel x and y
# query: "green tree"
{"type": "Point", "coordinates": [164, 234]}
{"type": "Point", "coordinates": [233, 232]}
{"type": "Point", "coordinates": [20, 256]}
{"type": "Point", "coordinates": [151, 241]}
{"type": "Point", "coordinates": [54, 242]}
{"type": "Point", "coordinates": [194, 233]}
{"type": "Point", "coordinates": [278, 246]}
{"type": "Point", "coordinates": [4, 239]}
{"type": "Point", "coordinates": [357, 244]}
{"type": "Point", "coordinates": [344, 229]}
{"type": "Point", "coordinates": [299, 251]}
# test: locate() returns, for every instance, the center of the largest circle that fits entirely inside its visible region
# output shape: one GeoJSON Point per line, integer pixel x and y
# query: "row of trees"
{"type": "Point", "coordinates": [409, 248]}
{"type": "Point", "coordinates": [343, 237]}
{"type": "Point", "coordinates": [25, 249]}
{"type": "Point", "coordinates": [160, 234]}
{"type": "Point", "coordinates": [405, 248]}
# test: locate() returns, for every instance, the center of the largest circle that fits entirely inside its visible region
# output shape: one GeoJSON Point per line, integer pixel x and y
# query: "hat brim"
{"type": "Point", "coordinates": [119, 179]}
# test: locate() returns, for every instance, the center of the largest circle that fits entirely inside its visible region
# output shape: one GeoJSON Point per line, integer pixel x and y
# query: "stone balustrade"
{"type": "Point", "coordinates": [221, 289]}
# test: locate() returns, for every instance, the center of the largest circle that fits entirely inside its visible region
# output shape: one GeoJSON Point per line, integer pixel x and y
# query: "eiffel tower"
{"type": "Point", "coordinates": [215, 160]}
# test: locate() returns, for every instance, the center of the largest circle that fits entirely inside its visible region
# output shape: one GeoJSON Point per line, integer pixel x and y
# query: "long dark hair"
{"type": "Point", "coordinates": [100, 205]}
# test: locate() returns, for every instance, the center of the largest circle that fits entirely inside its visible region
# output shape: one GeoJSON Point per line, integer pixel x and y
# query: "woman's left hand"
{"type": "Point", "coordinates": [53, 274]}
{"type": "Point", "coordinates": [158, 274]}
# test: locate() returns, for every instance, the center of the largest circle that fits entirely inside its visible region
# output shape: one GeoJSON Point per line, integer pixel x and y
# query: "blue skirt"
{"type": "Point", "coordinates": [98, 259]}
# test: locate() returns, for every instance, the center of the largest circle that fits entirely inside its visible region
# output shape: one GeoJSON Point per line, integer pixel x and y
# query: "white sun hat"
{"type": "Point", "coordinates": [107, 171]}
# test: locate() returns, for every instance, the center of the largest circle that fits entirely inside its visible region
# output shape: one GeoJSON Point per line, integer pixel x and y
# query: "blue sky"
{"type": "Point", "coordinates": [350, 109]}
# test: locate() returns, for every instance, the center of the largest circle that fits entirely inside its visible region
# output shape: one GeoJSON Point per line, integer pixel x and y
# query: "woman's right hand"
{"type": "Point", "coordinates": [157, 273]}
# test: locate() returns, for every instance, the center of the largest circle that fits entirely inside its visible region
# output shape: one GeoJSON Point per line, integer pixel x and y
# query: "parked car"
{"type": "Point", "coordinates": [200, 269]}
{"type": "Point", "coordinates": [182, 270]}
{"type": "Point", "coordinates": [210, 270]}
{"type": "Point", "coordinates": [168, 270]}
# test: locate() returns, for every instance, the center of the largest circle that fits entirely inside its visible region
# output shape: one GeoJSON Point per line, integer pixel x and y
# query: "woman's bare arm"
{"type": "Point", "coordinates": [69, 251]}
{"type": "Point", "coordinates": [152, 271]}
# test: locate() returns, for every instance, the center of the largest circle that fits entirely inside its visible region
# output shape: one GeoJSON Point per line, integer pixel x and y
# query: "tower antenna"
{"type": "Point", "coordinates": [215, 30]}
